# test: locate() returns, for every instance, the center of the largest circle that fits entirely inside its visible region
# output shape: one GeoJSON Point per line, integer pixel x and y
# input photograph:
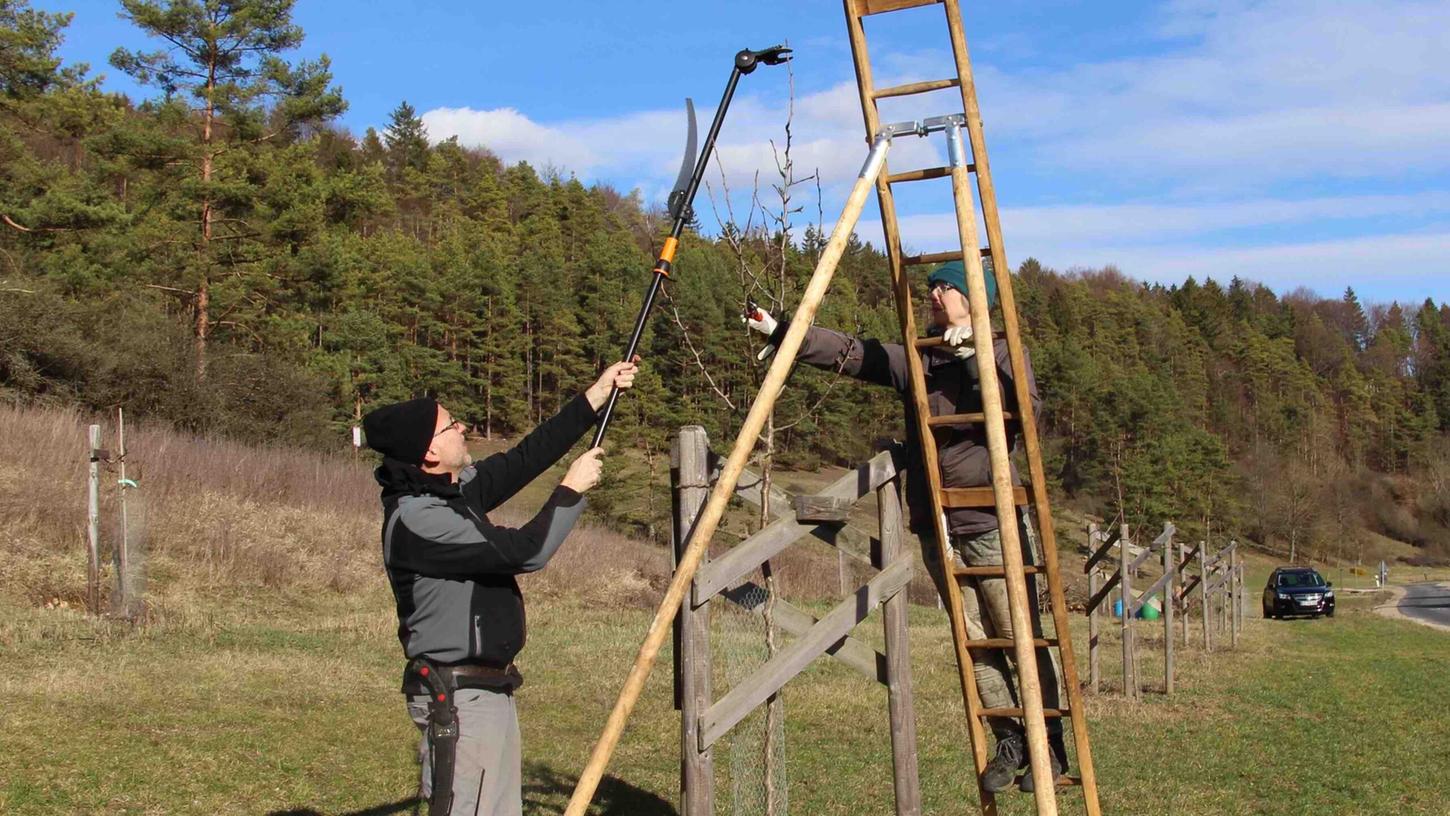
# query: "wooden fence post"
{"type": "Point", "coordinates": [1235, 593]}
{"type": "Point", "coordinates": [1225, 567]}
{"type": "Point", "coordinates": [692, 486]}
{"type": "Point", "coordinates": [93, 523]}
{"type": "Point", "coordinates": [1093, 631]}
{"type": "Point", "coordinates": [1130, 675]}
{"type": "Point", "coordinates": [1183, 597]}
{"type": "Point", "coordinates": [125, 583]}
{"type": "Point", "coordinates": [1243, 594]}
{"type": "Point", "coordinates": [1203, 594]}
{"type": "Point", "coordinates": [900, 705]}
{"type": "Point", "coordinates": [1169, 567]}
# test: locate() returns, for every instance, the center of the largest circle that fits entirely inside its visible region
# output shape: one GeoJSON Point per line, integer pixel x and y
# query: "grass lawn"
{"type": "Point", "coordinates": [288, 703]}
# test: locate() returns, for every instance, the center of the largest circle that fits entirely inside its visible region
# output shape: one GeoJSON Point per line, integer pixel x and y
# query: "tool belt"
{"type": "Point", "coordinates": [456, 676]}
{"type": "Point", "coordinates": [440, 681]}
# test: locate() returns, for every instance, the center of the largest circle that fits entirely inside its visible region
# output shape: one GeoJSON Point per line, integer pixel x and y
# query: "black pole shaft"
{"type": "Point", "coordinates": [662, 269]}
{"type": "Point", "coordinates": [699, 175]}
{"type": "Point", "coordinates": [639, 325]}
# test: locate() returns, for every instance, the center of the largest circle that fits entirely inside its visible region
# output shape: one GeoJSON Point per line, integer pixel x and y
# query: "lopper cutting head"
{"type": "Point", "coordinates": [687, 166]}
{"type": "Point", "coordinates": [747, 60]}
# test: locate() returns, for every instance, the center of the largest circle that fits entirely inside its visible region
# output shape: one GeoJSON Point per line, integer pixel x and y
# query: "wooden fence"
{"type": "Point", "coordinates": [1218, 580]}
{"type": "Point", "coordinates": [704, 719]}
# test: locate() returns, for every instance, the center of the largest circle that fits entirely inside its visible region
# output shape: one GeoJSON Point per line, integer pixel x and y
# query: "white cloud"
{"type": "Point", "coordinates": [512, 136]}
{"type": "Point", "coordinates": [1147, 223]}
{"type": "Point", "coordinates": [1170, 242]}
{"type": "Point", "coordinates": [643, 149]}
{"type": "Point", "coordinates": [1406, 267]}
{"type": "Point", "coordinates": [1241, 100]}
{"type": "Point", "coordinates": [1262, 90]}
{"type": "Point", "coordinates": [1291, 89]}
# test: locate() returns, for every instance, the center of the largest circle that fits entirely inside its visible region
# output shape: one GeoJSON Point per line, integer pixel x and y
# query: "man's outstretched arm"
{"type": "Point", "coordinates": [498, 478]}
{"type": "Point", "coordinates": [428, 536]}
{"type": "Point", "coordinates": [863, 358]}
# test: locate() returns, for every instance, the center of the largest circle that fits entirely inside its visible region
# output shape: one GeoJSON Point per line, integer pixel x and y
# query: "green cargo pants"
{"type": "Point", "coordinates": [993, 668]}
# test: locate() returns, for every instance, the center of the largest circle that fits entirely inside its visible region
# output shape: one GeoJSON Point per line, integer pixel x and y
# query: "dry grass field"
{"type": "Point", "coordinates": [262, 676]}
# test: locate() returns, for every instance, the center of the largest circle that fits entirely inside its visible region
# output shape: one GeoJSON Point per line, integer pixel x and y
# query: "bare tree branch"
{"type": "Point", "coordinates": [186, 292]}
{"type": "Point", "coordinates": [699, 361]}
{"type": "Point", "coordinates": [21, 227]}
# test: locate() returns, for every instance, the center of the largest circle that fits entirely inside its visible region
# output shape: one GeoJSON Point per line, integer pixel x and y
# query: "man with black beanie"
{"type": "Point", "coordinates": [460, 612]}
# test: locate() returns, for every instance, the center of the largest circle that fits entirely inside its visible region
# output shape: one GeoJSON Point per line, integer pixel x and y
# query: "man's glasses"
{"type": "Point", "coordinates": [462, 428]}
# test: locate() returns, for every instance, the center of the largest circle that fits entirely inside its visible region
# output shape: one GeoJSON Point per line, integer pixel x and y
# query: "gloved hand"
{"type": "Point", "coordinates": [959, 340]}
{"type": "Point", "coordinates": [761, 321]}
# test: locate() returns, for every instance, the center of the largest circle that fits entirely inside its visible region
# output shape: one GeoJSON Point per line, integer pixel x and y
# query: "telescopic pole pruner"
{"type": "Point", "coordinates": [692, 172]}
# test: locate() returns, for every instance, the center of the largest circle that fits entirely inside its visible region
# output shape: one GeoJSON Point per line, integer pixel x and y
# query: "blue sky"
{"type": "Point", "coordinates": [1293, 142]}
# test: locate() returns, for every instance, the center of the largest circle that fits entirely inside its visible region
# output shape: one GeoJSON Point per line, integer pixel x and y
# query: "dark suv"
{"type": "Point", "coordinates": [1298, 591]}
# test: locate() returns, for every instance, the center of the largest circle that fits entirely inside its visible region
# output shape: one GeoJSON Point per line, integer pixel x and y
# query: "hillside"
{"type": "Point", "coordinates": [273, 277]}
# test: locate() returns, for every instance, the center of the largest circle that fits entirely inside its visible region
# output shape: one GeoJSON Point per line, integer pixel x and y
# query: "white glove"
{"type": "Point", "coordinates": [959, 338]}
{"type": "Point", "coordinates": [762, 322]}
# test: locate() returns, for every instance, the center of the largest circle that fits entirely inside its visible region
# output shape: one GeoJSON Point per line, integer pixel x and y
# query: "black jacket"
{"type": "Point", "coordinates": [451, 569]}
{"type": "Point", "coordinates": [953, 387]}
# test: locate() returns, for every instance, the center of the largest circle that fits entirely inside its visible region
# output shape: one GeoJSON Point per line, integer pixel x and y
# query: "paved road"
{"type": "Point", "coordinates": [1430, 601]}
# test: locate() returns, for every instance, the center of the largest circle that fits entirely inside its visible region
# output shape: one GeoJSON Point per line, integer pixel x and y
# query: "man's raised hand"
{"type": "Point", "coordinates": [760, 320]}
{"type": "Point", "coordinates": [619, 374]}
{"type": "Point", "coordinates": [585, 471]}
{"type": "Point", "coordinates": [959, 339]}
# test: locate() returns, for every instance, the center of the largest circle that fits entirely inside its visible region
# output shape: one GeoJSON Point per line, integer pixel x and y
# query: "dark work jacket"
{"type": "Point", "coordinates": [451, 569]}
{"type": "Point", "coordinates": [952, 387]}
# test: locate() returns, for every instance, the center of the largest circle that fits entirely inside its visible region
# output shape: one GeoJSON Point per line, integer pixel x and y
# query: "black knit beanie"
{"type": "Point", "coordinates": [403, 430]}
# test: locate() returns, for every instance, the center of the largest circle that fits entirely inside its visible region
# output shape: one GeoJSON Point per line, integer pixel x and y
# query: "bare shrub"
{"type": "Point", "coordinates": [599, 567]}
{"type": "Point", "coordinates": [222, 515]}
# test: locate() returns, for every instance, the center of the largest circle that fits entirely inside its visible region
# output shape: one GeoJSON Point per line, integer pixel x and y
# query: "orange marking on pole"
{"type": "Point", "coordinates": [667, 254]}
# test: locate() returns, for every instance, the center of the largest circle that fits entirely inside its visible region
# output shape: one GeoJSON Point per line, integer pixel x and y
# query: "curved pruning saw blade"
{"type": "Point", "coordinates": [687, 168]}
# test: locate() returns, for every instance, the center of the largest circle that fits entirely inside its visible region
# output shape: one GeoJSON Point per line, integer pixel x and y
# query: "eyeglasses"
{"type": "Point", "coordinates": [462, 428]}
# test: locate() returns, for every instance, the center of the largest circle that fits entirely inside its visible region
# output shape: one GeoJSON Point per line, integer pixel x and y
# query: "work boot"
{"type": "Point", "coordinates": [1002, 770]}
{"type": "Point", "coordinates": [1057, 756]}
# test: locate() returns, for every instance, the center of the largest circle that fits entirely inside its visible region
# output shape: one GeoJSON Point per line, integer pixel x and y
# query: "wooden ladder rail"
{"type": "Point", "coordinates": [979, 166]}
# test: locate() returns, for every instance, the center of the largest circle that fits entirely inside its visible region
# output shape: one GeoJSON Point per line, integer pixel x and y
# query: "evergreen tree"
{"type": "Point", "coordinates": [406, 138]}
{"type": "Point", "coordinates": [28, 42]}
{"type": "Point", "coordinates": [224, 62]}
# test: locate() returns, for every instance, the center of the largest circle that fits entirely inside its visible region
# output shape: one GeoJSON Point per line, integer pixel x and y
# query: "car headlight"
{"type": "Point", "coordinates": [1281, 596]}
{"type": "Point", "coordinates": [1329, 593]}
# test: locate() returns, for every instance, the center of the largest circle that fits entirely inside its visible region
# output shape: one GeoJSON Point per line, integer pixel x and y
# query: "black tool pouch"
{"type": "Point", "coordinates": [442, 731]}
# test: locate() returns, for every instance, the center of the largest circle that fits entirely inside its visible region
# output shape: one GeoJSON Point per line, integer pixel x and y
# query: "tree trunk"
{"type": "Point", "coordinates": [201, 304]}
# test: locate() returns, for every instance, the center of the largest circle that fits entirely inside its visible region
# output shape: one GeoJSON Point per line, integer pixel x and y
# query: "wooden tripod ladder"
{"type": "Point", "coordinates": [1002, 495]}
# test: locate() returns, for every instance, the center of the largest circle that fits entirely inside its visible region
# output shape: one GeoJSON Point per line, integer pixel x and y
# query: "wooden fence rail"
{"type": "Point", "coordinates": [705, 720]}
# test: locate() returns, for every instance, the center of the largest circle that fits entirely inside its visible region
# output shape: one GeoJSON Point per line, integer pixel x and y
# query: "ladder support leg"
{"type": "Point", "coordinates": [1028, 681]}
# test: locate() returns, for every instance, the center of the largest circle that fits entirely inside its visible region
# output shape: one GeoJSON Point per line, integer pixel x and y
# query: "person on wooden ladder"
{"type": "Point", "coordinates": [460, 613]}
{"type": "Point", "coordinates": [952, 388]}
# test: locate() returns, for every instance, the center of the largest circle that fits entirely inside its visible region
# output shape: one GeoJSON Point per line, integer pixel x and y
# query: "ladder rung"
{"type": "Point", "coordinates": [962, 419]}
{"type": "Point", "coordinates": [978, 497]}
{"type": "Point", "coordinates": [916, 88]}
{"type": "Point", "coordinates": [868, 7]}
{"type": "Point", "coordinates": [1049, 713]}
{"type": "Point", "coordinates": [1006, 643]}
{"type": "Point", "coordinates": [993, 572]}
{"type": "Point", "coordinates": [1062, 782]}
{"type": "Point", "coordinates": [938, 340]}
{"type": "Point", "coordinates": [939, 257]}
{"type": "Point", "coordinates": [921, 175]}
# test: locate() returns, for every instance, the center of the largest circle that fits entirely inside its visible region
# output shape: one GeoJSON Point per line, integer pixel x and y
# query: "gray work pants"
{"type": "Point", "coordinates": [486, 773]}
{"type": "Point", "coordinates": [993, 668]}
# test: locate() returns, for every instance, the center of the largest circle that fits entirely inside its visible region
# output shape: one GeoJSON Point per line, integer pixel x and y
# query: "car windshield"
{"type": "Point", "coordinates": [1300, 579]}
